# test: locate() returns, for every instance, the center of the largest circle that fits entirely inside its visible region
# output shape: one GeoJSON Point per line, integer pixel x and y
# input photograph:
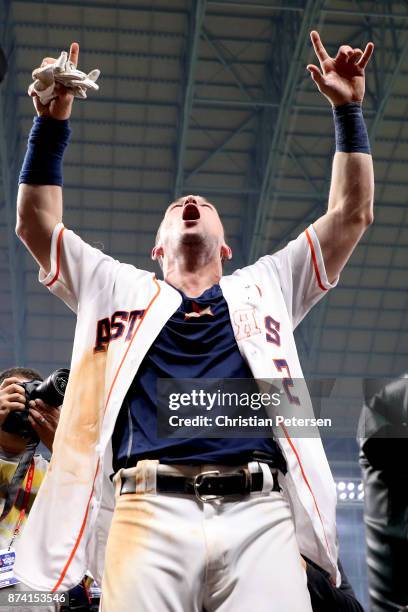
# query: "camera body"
{"type": "Point", "coordinates": [51, 391]}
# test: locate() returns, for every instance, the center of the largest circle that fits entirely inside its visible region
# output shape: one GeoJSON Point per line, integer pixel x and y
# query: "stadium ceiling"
{"type": "Point", "coordinates": [211, 97]}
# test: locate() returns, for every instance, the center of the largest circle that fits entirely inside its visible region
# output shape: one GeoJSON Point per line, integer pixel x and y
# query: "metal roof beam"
{"type": "Point", "coordinates": [148, 8]}
{"type": "Point", "coordinates": [9, 160]}
{"type": "Point", "coordinates": [385, 93]}
{"type": "Point", "coordinates": [375, 114]}
{"type": "Point", "coordinates": [312, 180]}
{"type": "Point", "coordinates": [153, 80]}
{"type": "Point", "coordinates": [232, 104]}
{"type": "Point", "coordinates": [379, 114]}
{"type": "Point", "coordinates": [221, 146]}
{"type": "Point", "coordinates": [262, 6]}
{"type": "Point", "coordinates": [202, 189]}
{"type": "Point", "coordinates": [285, 108]}
{"type": "Point", "coordinates": [372, 131]}
{"type": "Point", "coordinates": [208, 128]}
{"type": "Point", "coordinates": [155, 33]}
{"type": "Point", "coordinates": [320, 196]}
{"type": "Point", "coordinates": [220, 53]}
{"type": "Point", "coordinates": [191, 60]}
{"type": "Point", "coordinates": [171, 57]}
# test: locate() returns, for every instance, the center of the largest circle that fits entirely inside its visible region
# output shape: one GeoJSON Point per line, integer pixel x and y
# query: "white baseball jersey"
{"type": "Point", "coordinates": [120, 311]}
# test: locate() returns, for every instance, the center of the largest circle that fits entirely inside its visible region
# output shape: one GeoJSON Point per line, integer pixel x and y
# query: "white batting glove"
{"type": "Point", "coordinates": [62, 71]}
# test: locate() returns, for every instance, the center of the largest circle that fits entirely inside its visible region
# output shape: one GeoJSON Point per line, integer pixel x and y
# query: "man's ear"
{"type": "Point", "coordinates": [226, 252]}
{"type": "Point", "coordinates": [157, 252]}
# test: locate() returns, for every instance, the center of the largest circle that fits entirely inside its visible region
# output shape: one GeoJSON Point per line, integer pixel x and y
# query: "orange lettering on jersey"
{"type": "Point", "coordinates": [113, 328]}
{"type": "Point", "coordinates": [245, 323]}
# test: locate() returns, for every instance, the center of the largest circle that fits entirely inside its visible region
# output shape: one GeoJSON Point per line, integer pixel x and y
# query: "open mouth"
{"type": "Point", "coordinates": [190, 212]}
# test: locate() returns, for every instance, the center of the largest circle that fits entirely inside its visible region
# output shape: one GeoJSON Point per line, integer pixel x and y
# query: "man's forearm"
{"type": "Point", "coordinates": [352, 188]}
{"type": "Point", "coordinates": [350, 206]}
{"type": "Point", "coordinates": [39, 202]}
{"type": "Point", "coordinates": [39, 209]}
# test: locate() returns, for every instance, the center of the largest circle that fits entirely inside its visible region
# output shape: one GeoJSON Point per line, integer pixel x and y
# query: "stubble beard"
{"type": "Point", "coordinates": [196, 249]}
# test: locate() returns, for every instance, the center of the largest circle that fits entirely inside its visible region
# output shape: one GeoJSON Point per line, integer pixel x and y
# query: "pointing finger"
{"type": "Point", "coordinates": [318, 47]}
{"type": "Point", "coordinates": [74, 53]}
{"type": "Point", "coordinates": [368, 51]}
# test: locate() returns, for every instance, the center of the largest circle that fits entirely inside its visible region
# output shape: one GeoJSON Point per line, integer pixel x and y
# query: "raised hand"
{"type": "Point", "coordinates": [341, 78]}
{"type": "Point", "coordinates": [61, 106]}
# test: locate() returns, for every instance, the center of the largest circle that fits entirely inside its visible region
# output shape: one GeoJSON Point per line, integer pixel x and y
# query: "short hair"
{"type": "Point", "coordinates": [158, 233]}
{"type": "Point", "coordinates": [28, 373]}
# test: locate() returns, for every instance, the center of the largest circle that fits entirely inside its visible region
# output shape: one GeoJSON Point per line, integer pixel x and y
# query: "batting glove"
{"type": "Point", "coordinates": [62, 71]}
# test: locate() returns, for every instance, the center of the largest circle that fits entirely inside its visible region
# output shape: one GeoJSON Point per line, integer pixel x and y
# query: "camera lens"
{"type": "Point", "coordinates": [52, 389]}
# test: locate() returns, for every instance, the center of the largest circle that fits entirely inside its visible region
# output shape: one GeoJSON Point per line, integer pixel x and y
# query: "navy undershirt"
{"type": "Point", "coordinates": [198, 347]}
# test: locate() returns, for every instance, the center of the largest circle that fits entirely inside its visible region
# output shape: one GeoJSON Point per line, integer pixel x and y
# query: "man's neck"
{"type": "Point", "coordinates": [193, 282]}
{"type": "Point", "coordinates": [191, 287]}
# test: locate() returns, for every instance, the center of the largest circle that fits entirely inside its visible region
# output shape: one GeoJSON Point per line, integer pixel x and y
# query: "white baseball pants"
{"type": "Point", "coordinates": [174, 553]}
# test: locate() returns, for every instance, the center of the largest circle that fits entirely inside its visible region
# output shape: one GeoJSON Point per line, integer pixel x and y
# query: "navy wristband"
{"type": "Point", "coordinates": [350, 129]}
{"type": "Point", "coordinates": [45, 150]}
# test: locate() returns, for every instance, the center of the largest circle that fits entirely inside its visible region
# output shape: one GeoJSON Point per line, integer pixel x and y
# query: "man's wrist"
{"type": "Point", "coordinates": [345, 105]}
{"type": "Point", "coordinates": [47, 119]}
{"type": "Point", "coordinates": [350, 129]}
{"type": "Point", "coordinates": [47, 142]}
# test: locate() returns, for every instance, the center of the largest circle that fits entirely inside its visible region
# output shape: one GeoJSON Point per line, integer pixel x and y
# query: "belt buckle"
{"type": "Point", "coordinates": [198, 479]}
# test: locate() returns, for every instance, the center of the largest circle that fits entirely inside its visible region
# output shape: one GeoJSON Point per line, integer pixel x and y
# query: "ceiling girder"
{"type": "Point", "coordinates": [191, 57]}
{"type": "Point", "coordinates": [9, 160]}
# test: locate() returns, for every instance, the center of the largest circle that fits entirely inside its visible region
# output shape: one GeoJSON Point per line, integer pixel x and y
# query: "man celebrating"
{"type": "Point", "coordinates": [210, 524]}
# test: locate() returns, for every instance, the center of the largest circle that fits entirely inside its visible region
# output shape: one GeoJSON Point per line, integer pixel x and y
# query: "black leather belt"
{"type": "Point", "coordinates": [207, 486]}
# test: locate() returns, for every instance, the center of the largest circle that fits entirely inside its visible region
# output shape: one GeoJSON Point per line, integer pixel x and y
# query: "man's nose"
{"type": "Point", "coordinates": [190, 199]}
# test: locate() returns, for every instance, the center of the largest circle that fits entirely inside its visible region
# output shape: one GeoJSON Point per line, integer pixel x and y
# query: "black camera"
{"type": "Point", "coordinates": [51, 391]}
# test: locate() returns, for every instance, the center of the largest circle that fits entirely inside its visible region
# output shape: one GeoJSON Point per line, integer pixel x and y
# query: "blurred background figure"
{"type": "Point", "coordinates": [383, 437]}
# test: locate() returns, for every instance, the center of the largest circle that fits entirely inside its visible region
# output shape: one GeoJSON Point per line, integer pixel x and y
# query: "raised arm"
{"type": "Point", "coordinates": [350, 210]}
{"type": "Point", "coordinates": [39, 201]}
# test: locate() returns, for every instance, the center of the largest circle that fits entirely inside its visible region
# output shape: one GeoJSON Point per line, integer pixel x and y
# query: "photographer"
{"type": "Point", "coordinates": [43, 420]}
{"type": "Point", "coordinates": [383, 433]}
{"type": "Point", "coordinates": [22, 468]}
